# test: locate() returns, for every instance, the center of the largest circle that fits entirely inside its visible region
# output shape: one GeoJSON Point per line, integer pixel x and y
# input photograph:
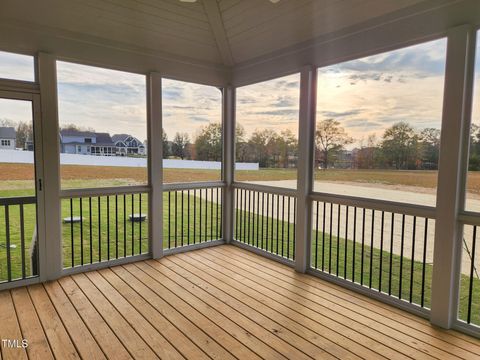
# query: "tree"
{"type": "Point", "coordinates": [330, 138]}
{"type": "Point", "coordinates": [400, 146]}
{"type": "Point", "coordinates": [179, 145]}
{"type": "Point", "coordinates": [24, 133]}
{"type": "Point", "coordinates": [208, 144]}
{"type": "Point", "coordinates": [430, 144]}
{"type": "Point", "coordinates": [165, 145]}
{"type": "Point", "coordinates": [288, 144]}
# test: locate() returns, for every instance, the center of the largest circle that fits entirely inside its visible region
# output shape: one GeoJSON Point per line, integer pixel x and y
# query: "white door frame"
{"type": "Point", "coordinates": [23, 91]}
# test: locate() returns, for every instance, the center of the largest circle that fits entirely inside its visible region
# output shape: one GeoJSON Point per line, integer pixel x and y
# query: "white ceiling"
{"type": "Point", "coordinates": [222, 42]}
{"type": "Point", "coordinates": [220, 32]}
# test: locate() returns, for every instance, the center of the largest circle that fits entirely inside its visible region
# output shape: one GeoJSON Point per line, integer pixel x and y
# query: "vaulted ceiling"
{"type": "Point", "coordinates": [213, 34]}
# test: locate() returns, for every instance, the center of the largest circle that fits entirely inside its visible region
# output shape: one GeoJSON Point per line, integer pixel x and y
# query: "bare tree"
{"type": "Point", "coordinates": [179, 145]}
{"type": "Point", "coordinates": [330, 138]}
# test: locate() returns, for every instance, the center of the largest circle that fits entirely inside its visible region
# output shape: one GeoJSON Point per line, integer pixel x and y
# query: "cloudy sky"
{"type": "Point", "coordinates": [366, 96]}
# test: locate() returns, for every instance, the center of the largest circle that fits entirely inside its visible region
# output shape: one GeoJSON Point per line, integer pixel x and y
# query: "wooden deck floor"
{"type": "Point", "coordinates": [221, 303]}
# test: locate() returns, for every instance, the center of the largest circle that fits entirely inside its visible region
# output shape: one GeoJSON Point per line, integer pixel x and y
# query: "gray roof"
{"type": "Point", "coordinates": [119, 137]}
{"type": "Point", "coordinates": [104, 139]}
{"type": "Point", "coordinates": [73, 132]}
{"type": "Point", "coordinates": [8, 133]}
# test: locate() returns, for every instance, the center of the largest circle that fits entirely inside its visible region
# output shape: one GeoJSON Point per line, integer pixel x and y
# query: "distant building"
{"type": "Point", "coordinates": [8, 138]}
{"type": "Point", "coordinates": [128, 145]}
{"type": "Point", "coordinates": [86, 143]}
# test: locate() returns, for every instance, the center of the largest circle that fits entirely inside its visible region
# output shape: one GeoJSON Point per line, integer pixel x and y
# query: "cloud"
{"type": "Point", "coordinates": [279, 112]}
{"type": "Point", "coordinates": [334, 114]}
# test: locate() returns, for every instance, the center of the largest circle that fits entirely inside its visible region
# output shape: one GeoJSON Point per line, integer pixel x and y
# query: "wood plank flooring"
{"type": "Point", "coordinates": [217, 303]}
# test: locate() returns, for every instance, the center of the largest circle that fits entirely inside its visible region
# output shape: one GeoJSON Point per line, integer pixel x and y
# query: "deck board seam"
{"type": "Point", "coordinates": [253, 350]}
{"type": "Point", "coordinates": [176, 296]}
{"type": "Point", "coordinates": [338, 289]}
{"type": "Point", "coordinates": [401, 343]}
{"type": "Point", "coordinates": [276, 322]}
{"type": "Point", "coordinates": [273, 320]}
{"type": "Point", "coordinates": [150, 322]}
{"type": "Point", "coordinates": [122, 315]}
{"type": "Point", "coordinates": [99, 314]}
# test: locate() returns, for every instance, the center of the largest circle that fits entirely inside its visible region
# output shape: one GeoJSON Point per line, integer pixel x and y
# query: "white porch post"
{"type": "Point", "coordinates": [451, 175]}
{"type": "Point", "coordinates": [155, 163]}
{"type": "Point", "coordinates": [228, 113]}
{"type": "Point", "coordinates": [306, 136]}
{"type": "Point", "coordinates": [51, 262]}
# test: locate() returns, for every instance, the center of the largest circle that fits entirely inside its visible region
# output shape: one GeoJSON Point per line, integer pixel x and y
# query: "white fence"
{"type": "Point", "coordinates": [26, 157]}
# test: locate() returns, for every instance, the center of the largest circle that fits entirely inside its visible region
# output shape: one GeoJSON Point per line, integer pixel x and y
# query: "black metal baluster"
{"type": "Point", "coordinates": [169, 218]}
{"type": "Point", "coordinates": [345, 249]}
{"type": "Point", "coordinates": [323, 235]}
{"type": "Point", "coordinates": [211, 214]}
{"type": "Point", "coordinates": [206, 214]}
{"type": "Point", "coordinates": [7, 236]}
{"type": "Point", "coordinates": [363, 248]}
{"type": "Point", "coordinates": [412, 262]}
{"type": "Point", "coordinates": [217, 217]}
{"type": "Point", "coordinates": [116, 226]}
{"type": "Point", "coordinates": [72, 243]}
{"type": "Point", "coordinates": [124, 225]}
{"type": "Point", "coordinates": [401, 258]}
{"type": "Point", "coordinates": [194, 216]}
{"type": "Point", "coordinates": [354, 246]}
{"type": "Point", "coordinates": [381, 253]}
{"type": "Point", "coordinates": [108, 227]}
{"type": "Point", "coordinates": [371, 249]}
{"type": "Point", "coordinates": [263, 219]}
{"type": "Point", "coordinates": [288, 228]}
{"type": "Point", "coordinates": [188, 217]}
{"type": "Point", "coordinates": [258, 216]}
{"type": "Point", "coordinates": [294, 224]}
{"type": "Point", "coordinates": [81, 231]}
{"type": "Point", "coordinates": [273, 223]}
{"type": "Point", "coordinates": [249, 215]}
{"type": "Point", "coordinates": [283, 221]}
{"type": "Point", "coordinates": [221, 213]}
{"type": "Point", "coordinates": [472, 269]}
{"type": "Point", "coordinates": [175, 214]}
{"type": "Point", "coordinates": [267, 227]}
{"type": "Point", "coordinates": [392, 234]}
{"type": "Point", "coordinates": [22, 239]}
{"type": "Point", "coordinates": [316, 235]}
{"type": "Point", "coordinates": [422, 301]}
{"type": "Point", "coordinates": [330, 241]}
{"type": "Point", "coordinates": [242, 215]}
{"type": "Point", "coordinates": [339, 208]}
{"type": "Point", "coordinates": [200, 216]}
{"type": "Point", "coordinates": [99, 231]}
{"type": "Point", "coordinates": [277, 237]}
{"type": "Point", "coordinates": [181, 222]}
{"type": "Point", "coordinates": [237, 213]}
{"type": "Point", "coordinates": [140, 221]}
{"type": "Point", "coordinates": [133, 223]}
{"type": "Point", "coordinates": [90, 228]}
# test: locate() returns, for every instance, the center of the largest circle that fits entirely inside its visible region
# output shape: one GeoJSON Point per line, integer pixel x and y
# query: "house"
{"type": "Point", "coordinates": [8, 137]}
{"type": "Point", "coordinates": [74, 141]}
{"type": "Point", "coordinates": [128, 145]}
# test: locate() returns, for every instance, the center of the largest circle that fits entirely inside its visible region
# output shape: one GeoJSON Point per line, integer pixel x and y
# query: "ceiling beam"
{"type": "Point", "coordinates": [216, 24]}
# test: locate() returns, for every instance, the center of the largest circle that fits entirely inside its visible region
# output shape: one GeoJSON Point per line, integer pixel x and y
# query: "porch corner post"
{"type": "Point", "coordinates": [306, 132]}
{"type": "Point", "coordinates": [155, 163]}
{"type": "Point", "coordinates": [51, 261]}
{"type": "Point", "coordinates": [452, 174]}
{"type": "Point", "coordinates": [228, 114]}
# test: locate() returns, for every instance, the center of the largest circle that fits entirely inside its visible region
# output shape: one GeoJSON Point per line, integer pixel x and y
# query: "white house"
{"type": "Point", "coordinates": [8, 137]}
{"type": "Point", "coordinates": [86, 143]}
{"type": "Point", "coordinates": [128, 145]}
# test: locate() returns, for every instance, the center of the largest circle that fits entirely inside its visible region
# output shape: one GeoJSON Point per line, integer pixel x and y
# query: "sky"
{"type": "Point", "coordinates": [366, 96]}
